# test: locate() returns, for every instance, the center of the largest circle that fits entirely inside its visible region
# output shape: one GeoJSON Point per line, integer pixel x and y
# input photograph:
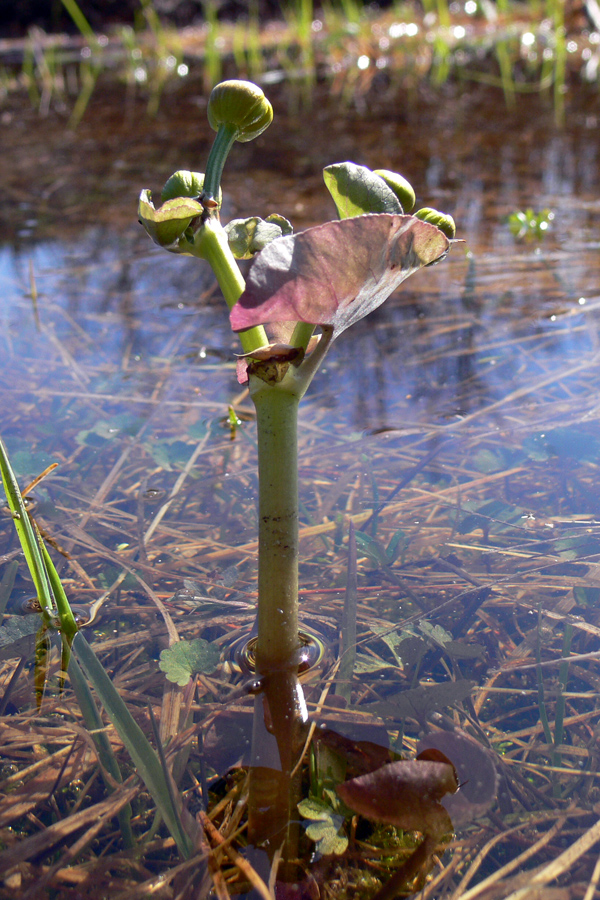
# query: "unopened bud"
{"type": "Point", "coordinates": [402, 188]}
{"type": "Point", "coordinates": [240, 104]}
{"type": "Point", "coordinates": [443, 221]}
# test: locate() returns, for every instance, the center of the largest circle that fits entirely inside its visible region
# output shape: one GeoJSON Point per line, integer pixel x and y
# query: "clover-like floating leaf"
{"type": "Point", "coordinates": [405, 793]}
{"type": "Point", "coordinates": [186, 658]}
{"type": "Point", "coordinates": [356, 190]}
{"type": "Point", "coordinates": [337, 273]}
{"type": "Point", "coordinates": [166, 225]}
{"type": "Point", "coordinates": [324, 827]}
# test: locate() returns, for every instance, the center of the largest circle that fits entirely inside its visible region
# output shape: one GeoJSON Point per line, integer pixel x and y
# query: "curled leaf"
{"type": "Point", "coordinates": [285, 224]}
{"type": "Point", "coordinates": [405, 793]}
{"type": "Point", "coordinates": [248, 236]}
{"type": "Point", "coordinates": [337, 273]}
{"type": "Point", "coordinates": [167, 225]}
{"type": "Point", "coordinates": [356, 190]}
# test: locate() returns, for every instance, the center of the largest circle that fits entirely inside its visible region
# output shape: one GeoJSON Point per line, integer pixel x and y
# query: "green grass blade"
{"type": "Point", "coordinates": [143, 755]}
{"type": "Point", "coordinates": [108, 760]}
{"type": "Point", "coordinates": [27, 537]}
{"type": "Point", "coordinates": [79, 19]}
{"type": "Point", "coordinates": [68, 625]}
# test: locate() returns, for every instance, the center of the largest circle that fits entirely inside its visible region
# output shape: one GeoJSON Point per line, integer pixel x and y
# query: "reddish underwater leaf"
{"type": "Point", "coordinates": [476, 768]}
{"type": "Point", "coordinates": [336, 273]}
{"type": "Point", "coordinates": [405, 793]}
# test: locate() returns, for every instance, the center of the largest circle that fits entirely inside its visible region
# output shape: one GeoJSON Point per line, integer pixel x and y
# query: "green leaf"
{"type": "Point", "coordinates": [435, 633]}
{"type": "Point", "coordinates": [391, 639]}
{"type": "Point", "coordinates": [18, 627]}
{"type": "Point", "coordinates": [458, 650]}
{"type": "Point", "coordinates": [324, 827]}
{"type": "Point", "coordinates": [183, 184]}
{"type": "Point", "coordinates": [17, 637]}
{"type": "Point", "coordinates": [411, 649]}
{"type": "Point", "coordinates": [365, 664]}
{"type": "Point", "coordinates": [422, 701]}
{"type": "Point", "coordinates": [186, 658]}
{"type": "Point", "coordinates": [371, 547]}
{"type": "Point", "coordinates": [283, 223]}
{"type": "Point", "coordinates": [313, 808]}
{"type": "Point", "coordinates": [587, 597]}
{"type": "Point", "coordinates": [248, 236]}
{"type": "Point", "coordinates": [356, 190]}
{"type": "Point", "coordinates": [564, 443]}
{"type": "Point", "coordinates": [327, 839]}
{"type": "Point", "coordinates": [26, 462]}
{"type": "Point", "coordinates": [29, 540]}
{"type": "Point", "coordinates": [166, 225]}
{"type": "Point", "coordinates": [397, 545]}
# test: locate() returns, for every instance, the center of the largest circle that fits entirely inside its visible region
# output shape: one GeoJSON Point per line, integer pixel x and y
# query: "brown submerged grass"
{"type": "Point", "coordinates": [499, 548]}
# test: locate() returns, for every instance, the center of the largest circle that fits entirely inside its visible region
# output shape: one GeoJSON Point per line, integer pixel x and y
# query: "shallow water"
{"type": "Point", "coordinates": [475, 390]}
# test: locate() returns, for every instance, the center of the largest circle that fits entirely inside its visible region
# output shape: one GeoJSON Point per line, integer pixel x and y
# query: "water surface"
{"type": "Point", "coordinates": [458, 425]}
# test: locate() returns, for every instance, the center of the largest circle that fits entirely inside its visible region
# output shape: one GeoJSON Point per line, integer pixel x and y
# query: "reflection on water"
{"type": "Point", "coordinates": [458, 427]}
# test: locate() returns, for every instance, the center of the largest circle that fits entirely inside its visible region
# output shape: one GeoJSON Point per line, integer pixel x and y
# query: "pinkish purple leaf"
{"type": "Point", "coordinates": [405, 793]}
{"type": "Point", "coordinates": [337, 273]}
{"type": "Point", "coordinates": [477, 771]}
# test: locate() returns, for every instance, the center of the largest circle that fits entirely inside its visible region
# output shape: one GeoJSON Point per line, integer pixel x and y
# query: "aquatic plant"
{"type": "Point", "coordinates": [529, 225]}
{"type": "Point", "coordinates": [303, 291]}
{"type": "Point", "coordinates": [328, 278]}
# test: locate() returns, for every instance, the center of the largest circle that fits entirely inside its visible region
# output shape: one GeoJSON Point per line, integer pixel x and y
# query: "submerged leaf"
{"type": "Point", "coordinates": [186, 658]}
{"type": "Point", "coordinates": [324, 827]}
{"type": "Point", "coordinates": [337, 273]}
{"type": "Point", "coordinates": [326, 837]}
{"type": "Point", "coordinates": [422, 701]}
{"type": "Point", "coordinates": [405, 793]}
{"type": "Point", "coordinates": [17, 636]}
{"type": "Point", "coordinates": [476, 768]}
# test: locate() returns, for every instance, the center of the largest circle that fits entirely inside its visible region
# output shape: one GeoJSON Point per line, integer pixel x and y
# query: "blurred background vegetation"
{"type": "Point", "coordinates": [59, 51]}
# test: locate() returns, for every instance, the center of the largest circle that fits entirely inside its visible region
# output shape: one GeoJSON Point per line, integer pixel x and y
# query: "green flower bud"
{"type": "Point", "coordinates": [242, 105]}
{"type": "Point", "coordinates": [441, 220]}
{"type": "Point", "coordinates": [183, 184]}
{"type": "Point", "coordinates": [402, 188]}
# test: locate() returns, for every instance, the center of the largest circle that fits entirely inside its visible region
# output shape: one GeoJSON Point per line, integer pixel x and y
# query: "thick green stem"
{"type": "Point", "coordinates": [302, 334]}
{"type": "Point", "coordinates": [273, 789]}
{"type": "Point", "coordinates": [277, 420]}
{"type": "Point", "coordinates": [212, 245]}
